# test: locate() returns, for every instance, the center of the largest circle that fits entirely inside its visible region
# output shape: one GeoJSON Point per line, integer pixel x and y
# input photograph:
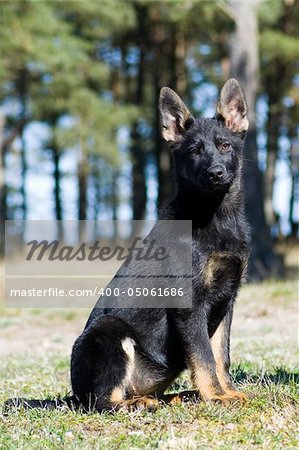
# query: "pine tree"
{"type": "Point", "coordinates": [279, 56]}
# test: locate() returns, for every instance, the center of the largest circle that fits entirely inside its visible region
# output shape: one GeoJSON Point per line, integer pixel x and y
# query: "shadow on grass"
{"type": "Point", "coordinates": [247, 373]}
{"type": "Point", "coordinates": [279, 375]}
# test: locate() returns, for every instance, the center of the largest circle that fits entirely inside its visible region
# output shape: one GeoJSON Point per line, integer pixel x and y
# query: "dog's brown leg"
{"type": "Point", "coordinates": [220, 348]}
{"type": "Point", "coordinates": [205, 380]}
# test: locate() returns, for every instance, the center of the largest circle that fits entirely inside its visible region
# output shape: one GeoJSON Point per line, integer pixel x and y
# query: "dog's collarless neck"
{"type": "Point", "coordinates": [204, 208]}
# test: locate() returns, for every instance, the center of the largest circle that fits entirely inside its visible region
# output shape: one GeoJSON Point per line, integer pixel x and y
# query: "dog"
{"type": "Point", "coordinates": [128, 357]}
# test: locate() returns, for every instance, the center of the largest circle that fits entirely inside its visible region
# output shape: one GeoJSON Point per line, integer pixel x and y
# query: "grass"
{"type": "Point", "coordinates": [268, 420]}
{"type": "Point", "coordinates": [36, 348]}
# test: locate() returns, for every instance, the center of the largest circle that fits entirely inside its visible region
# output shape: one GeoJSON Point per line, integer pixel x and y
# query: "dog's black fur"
{"type": "Point", "coordinates": [124, 355]}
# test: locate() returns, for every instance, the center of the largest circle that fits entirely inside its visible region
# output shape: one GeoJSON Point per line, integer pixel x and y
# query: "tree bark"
{"type": "Point", "coordinates": [160, 76]}
{"type": "Point", "coordinates": [274, 119]}
{"type": "Point", "coordinates": [294, 198]}
{"type": "Point", "coordinates": [82, 185]}
{"type": "Point", "coordinates": [5, 143]}
{"type": "Point", "coordinates": [22, 87]}
{"type": "Point", "coordinates": [163, 157]}
{"type": "Point", "coordinates": [245, 67]}
{"type": "Point", "coordinates": [57, 180]}
{"type": "Point", "coordinates": [169, 69]}
{"type": "Point", "coordinates": [139, 195]}
{"type": "Point", "coordinates": [178, 61]}
{"type": "Point", "coordinates": [3, 190]}
{"type": "Point", "coordinates": [82, 193]}
{"type": "Point", "coordinates": [279, 74]}
{"type": "Point", "coordinates": [57, 184]}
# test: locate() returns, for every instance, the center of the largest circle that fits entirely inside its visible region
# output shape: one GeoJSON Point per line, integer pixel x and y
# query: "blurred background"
{"type": "Point", "coordinates": [79, 83]}
{"type": "Point", "coordinates": [79, 139]}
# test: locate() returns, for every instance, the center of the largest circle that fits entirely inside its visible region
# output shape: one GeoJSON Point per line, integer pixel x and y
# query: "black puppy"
{"type": "Point", "coordinates": [127, 357]}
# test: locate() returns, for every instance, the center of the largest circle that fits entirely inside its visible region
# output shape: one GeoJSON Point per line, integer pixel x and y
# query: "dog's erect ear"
{"type": "Point", "coordinates": [175, 118]}
{"type": "Point", "coordinates": [232, 107]}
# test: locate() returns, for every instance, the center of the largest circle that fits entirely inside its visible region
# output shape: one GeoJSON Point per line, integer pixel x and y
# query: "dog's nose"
{"type": "Point", "coordinates": [215, 173]}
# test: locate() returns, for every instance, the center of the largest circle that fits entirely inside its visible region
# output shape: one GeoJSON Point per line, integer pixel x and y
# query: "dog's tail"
{"type": "Point", "coordinates": [16, 404]}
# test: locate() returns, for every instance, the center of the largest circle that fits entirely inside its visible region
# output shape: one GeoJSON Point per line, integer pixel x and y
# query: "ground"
{"type": "Point", "coordinates": [35, 349]}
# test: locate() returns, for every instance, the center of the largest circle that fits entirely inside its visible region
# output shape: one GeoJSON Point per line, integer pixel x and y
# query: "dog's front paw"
{"type": "Point", "coordinates": [228, 398]}
{"type": "Point", "coordinates": [142, 402]}
{"type": "Point", "coordinates": [236, 395]}
{"type": "Point", "coordinates": [220, 399]}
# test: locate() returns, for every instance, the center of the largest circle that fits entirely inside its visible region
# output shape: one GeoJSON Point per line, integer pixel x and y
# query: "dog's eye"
{"type": "Point", "coordinates": [225, 146]}
{"type": "Point", "coordinates": [195, 150]}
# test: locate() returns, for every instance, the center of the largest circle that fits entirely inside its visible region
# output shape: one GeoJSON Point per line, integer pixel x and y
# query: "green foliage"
{"type": "Point", "coordinates": [57, 47]}
{"type": "Point", "coordinates": [94, 125]}
{"type": "Point", "coordinates": [31, 37]}
{"type": "Point", "coordinates": [279, 51]}
{"type": "Point", "coordinates": [276, 45]}
{"type": "Point", "coordinates": [100, 64]}
{"type": "Point", "coordinates": [269, 12]}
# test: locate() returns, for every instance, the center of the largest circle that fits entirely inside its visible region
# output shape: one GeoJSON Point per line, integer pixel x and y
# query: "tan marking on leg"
{"type": "Point", "coordinates": [218, 263]}
{"type": "Point", "coordinates": [209, 270]}
{"type": "Point", "coordinates": [214, 263]}
{"type": "Point", "coordinates": [175, 400]}
{"type": "Point", "coordinates": [171, 399]}
{"type": "Point", "coordinates": [144, 402]}
{"type": "Point", "coordinates": [217, 342]}
{"type": "Point", "coordinates": [210, 389]}
{"type": "Point", "coordinates": [128, 346]}
{"type": "Point", "coordinates": [141, 379]}
{"type": "Point", "coordinates": [203, 380]}
{"type": "Point", "coordinates": [235, 395]}
{"type": "Point", "coordinates": [117, 395]}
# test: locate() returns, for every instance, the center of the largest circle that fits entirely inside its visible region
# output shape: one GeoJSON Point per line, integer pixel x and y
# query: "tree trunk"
{"type": "Point", "coordinates": [57, 181]}
{"type": "Point", "coordinates": [22, 87]}
{"type": "Point", "coordinates": [274, 119]}
{"type": "Point", "coordinates": [3, 190]}
{"type": "Point", "coordinates": [114, 199]}
{"type": "Point", "coordinates": [168, 70]}
{"type": "Point", "coordinates": [160, 77]}
{"type": "Point", "coordinates": [178, 63]}
{"type": "Point", "coordinates": [139, 195]}
{"type": "Point", "coordinates": [95, 173]}
{"type": "Point", "coordinates": [5, 144]}
{"type": "Point", "coordinates": [245, 67]}
{"type": "Point", "coordinates": [294, 198]}
{"type": "Point", "coordinates": [82, 184]}
{"type": "Point", "coordinates": [279, 73]}
{"type": "Point", "coordinates": [138, 176]}
{"type": "Point", "coordinates": [163, 157]}
{"type": "Point", "coordinates": [82, 193]}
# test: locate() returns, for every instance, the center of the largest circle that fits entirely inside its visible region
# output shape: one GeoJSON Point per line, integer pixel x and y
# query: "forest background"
{"type": "Point", "coordinates": [79, 83]}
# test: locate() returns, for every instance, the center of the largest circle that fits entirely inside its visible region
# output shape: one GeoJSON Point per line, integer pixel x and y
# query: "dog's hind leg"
{"type": "Point", "coordinates": [107, 370]}
{"type": "Point", "coordinates": [100, 365]}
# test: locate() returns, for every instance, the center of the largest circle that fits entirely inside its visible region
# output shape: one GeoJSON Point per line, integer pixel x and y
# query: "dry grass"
{"type": "Point", "coordinates": [35, 348]}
